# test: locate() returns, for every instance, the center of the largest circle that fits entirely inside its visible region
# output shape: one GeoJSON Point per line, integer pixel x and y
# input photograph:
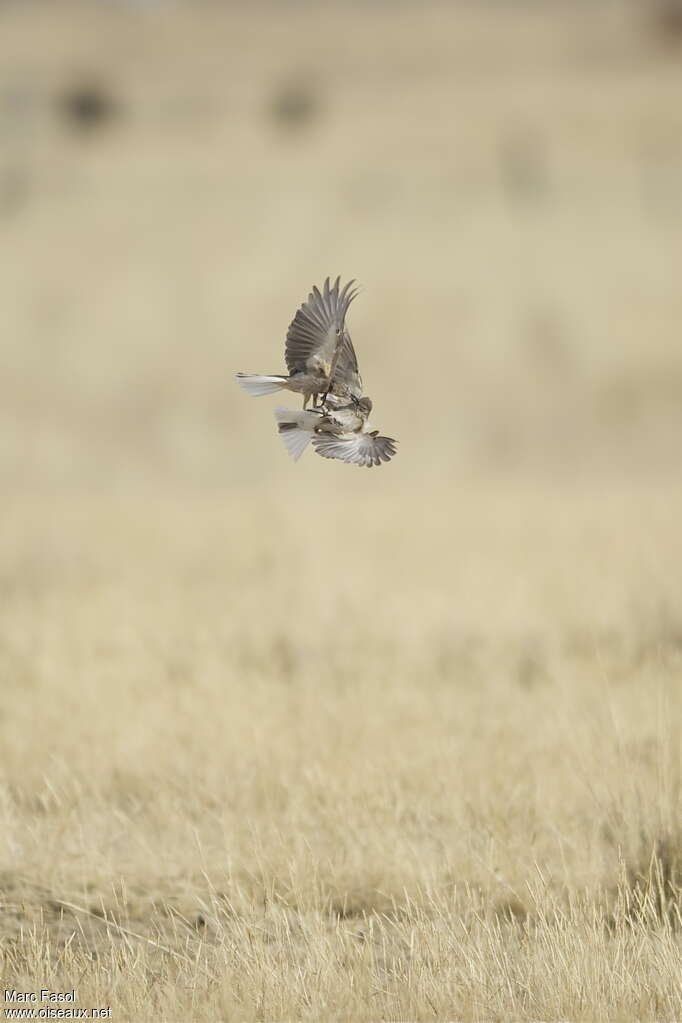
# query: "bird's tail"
{"type": "Point", "coordinates": [297, 429]}
{"type": "Point", "coordinates": [257, 385]}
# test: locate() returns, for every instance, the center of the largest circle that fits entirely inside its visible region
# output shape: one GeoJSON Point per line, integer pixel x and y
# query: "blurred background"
{"type": "Point", "coordinates": [503, 179]}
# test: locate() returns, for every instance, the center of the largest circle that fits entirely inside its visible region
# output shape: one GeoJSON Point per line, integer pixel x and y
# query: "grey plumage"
{"type": "Point", "coordinates": [366, 449]}
{"type": "Point", "coordinates": [322, 362]}
{"type": "Point", "coordinates": [345, 434]}
{"type": "Point", "coordinates": [317, 332]}
{"type": "Point", "coordinates": [342, 433]}
{"type": "Point", "coordinates": [318, 351]}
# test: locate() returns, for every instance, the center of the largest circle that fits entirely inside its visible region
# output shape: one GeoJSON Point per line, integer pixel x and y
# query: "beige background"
{"type": "Point", "coordinates": [504, 180]}
{"type": "Point", "coordinates": [300, 741]}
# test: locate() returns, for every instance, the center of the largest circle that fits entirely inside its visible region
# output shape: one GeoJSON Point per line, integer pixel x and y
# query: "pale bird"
{"type": "Point", "coordinates": [318, 347]}
{"type": "Point", "coordinates": [343, 433]}
{"type": "Point", "coordinates": [322, 361]}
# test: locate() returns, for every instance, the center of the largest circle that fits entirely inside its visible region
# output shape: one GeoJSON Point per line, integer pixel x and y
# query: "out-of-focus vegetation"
{"type": "Point", "coordinates": [504, 181]}
{"type": "Point", "coordinates": [298, 741]}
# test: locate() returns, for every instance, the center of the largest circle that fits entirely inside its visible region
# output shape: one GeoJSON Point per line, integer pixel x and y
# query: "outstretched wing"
{"type": "Point", "coordinates": [318, 328]}
{"type": "Point", "coordinates": [366, 449]}
{"type": "Point", "coordinates": [347, 379]}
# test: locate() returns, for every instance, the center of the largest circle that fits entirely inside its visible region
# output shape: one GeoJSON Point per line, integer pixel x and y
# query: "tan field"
{"type": "Point", "coordinates": [286, 742]}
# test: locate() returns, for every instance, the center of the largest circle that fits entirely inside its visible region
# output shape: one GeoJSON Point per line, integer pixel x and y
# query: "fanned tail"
{"type": "Point", "coordinates": [296, 429]}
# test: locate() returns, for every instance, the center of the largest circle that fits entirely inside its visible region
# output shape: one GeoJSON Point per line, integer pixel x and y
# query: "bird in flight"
{"type": "Point", "coordinates": [317, 345]}
{"type": "Point", "coordinates": [323, 366]}
{"type": "Point", "coordinates": [342, 432]}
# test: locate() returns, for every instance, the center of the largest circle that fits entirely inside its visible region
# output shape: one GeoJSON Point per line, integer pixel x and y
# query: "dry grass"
{"type": "Point", "coordinates": [281, 783]}
{"type": "Point", "coordinates": [302, 742]}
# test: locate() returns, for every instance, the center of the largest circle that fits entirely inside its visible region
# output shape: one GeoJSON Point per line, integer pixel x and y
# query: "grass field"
{"type": "Point", "coordinates": [431, 770]}
{"type": "Point", "coordinates": [283, 741]}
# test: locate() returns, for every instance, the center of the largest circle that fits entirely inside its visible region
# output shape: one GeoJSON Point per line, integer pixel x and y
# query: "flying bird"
{"type": "Point", "coordinates": [318, 349]}
{"type": "Point", "coordinates": [342, 432]}
{"type": "Point", "coordinates": [323, 366]}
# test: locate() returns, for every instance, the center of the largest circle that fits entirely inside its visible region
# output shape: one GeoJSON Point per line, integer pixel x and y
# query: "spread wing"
{"type": "Point", "coordinates": [366, 449]}
{"type": "Point", "coordinates": [347, 379]}
{"type": "Point", "coordinates": [318, 328]}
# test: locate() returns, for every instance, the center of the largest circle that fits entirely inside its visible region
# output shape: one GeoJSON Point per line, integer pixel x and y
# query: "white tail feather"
{"type": "Point", "coordinates": [296, 441]}
{"type": "Point", "coordinates": [257, 385]}
{"type": "Point", "coordinates": [301, 428]}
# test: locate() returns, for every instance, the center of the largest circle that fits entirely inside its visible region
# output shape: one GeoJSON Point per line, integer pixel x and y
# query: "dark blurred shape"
{"type": "Point", "coordinates": [531, 666]}
{"type": "Point", "coordinates": [294, 104]}
{"type": "Point", "coordinates": [87, 106]}
{"type": "Point", "coordinates": [665, 18]}
{"type": "Point", "coordinates": [523, 163]}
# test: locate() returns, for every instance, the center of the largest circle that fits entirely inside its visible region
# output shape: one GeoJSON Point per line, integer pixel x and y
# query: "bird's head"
{"type": "Point", "coordinates": [365, 405]}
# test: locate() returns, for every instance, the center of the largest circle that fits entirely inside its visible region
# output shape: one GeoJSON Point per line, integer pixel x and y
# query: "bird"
{"type": "Point", "coordinates": [342, 432]}
{"type": "Point", "coordinates": [319, 352]}
{"type": "Point", "coordinates": [323, 366]}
